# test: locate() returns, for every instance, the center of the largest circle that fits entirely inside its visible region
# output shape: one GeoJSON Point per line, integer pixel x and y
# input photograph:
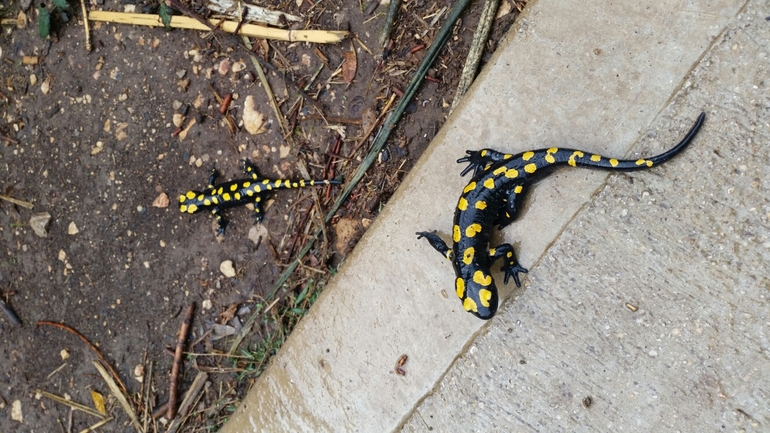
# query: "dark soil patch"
{"type": "Point", "coordinates": [96, 150]}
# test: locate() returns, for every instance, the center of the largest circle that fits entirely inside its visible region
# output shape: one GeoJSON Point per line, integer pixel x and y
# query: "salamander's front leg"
{"type": "Point", "coordinates": [479, 160]}
{"type": "Point", "coordinates": [511, 267]}
{"type": "Point", "coordinates": [437, 243]}
{"type": "Point", "coordinates": [258, 210]}
{"type": "Point", "coordinates": [250, 169]}
{"type": "Point", "coordinates": [221, 222]}
{"type": "Point", "coordinates": [213, 177]}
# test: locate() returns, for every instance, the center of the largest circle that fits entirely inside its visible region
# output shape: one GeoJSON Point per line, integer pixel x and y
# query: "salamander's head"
{"type": "Point", "coordinates": [479, 295]}
{"type": "Point", "coordinates": [190, 202]}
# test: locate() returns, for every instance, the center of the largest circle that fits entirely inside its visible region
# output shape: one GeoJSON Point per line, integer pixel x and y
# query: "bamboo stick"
{"type": "Point", "coordinates": [252, 30]}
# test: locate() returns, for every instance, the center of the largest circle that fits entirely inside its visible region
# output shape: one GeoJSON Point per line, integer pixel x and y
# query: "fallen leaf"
{"type": "Point", "coordinates": [98, 402]}
{"type": "Point", "coordinates": [228, 314]}
{"type": "Point", "coordinates": [349, 67]}
{"type": "Point", "coordinates": [253, 120]}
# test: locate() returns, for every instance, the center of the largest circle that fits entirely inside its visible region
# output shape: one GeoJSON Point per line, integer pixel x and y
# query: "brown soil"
{"type": "Point", "coordinates": [96, 150]}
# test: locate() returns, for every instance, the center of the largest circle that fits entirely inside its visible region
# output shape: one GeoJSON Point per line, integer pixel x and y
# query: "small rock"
{"type": "Point", "coordinates": [72, 229]}
{"type": "Point", "coordinates": [32, 79]}
{"type": "Point", "coordinates": [98, 148]}
{"type": "Point", "coordinates": [239, 66]}
{"type": "Point", "coordinates": [227, 268]}
{"type": "Point", "coordinates": [161, 201]}
{"type": "Point", "coordinates": [224, 67]}
{"type": "Point", "coordinates": [139, 373]}
{"type": "Point", "coordinates": [39, 223]}
{"type": "Point", "coordinates": [206, 304]}
{"type": "Point", "coordinates": [221, 331]}
{"type": "Point", "coordinates": [45, 87]}
{"type": "Point", "coordinates": [178, 119]}
{"type": "Point", "coordinates": [62, 255]}
{"type": "Point", "coordinates": [16, 411]}
{"type": "Point", "coordinates": [120, 131]}
{"type": "Point", "coordinates": [181, 73]}
{"type": "Point", "coordinates": [65, 354]}
{"type": "Point", "coordinates": [177, 105]}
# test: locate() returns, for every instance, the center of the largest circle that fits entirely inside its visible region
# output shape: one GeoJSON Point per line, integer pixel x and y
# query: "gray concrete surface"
{"type": "Point", "coordinates": [686, 243]}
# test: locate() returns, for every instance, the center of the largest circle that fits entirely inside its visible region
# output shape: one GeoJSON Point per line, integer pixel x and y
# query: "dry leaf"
{"type": "Point", "coordinates": [349, 67]}
{"type": "Point", "coordinates": [98, 402]}
{"type": "Point", "coordinates": [228, 314]}
{"type": "Point", "coordinates": [253, 120]}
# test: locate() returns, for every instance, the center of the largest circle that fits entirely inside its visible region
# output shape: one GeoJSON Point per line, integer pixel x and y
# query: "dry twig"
{"type": "Point", "coordinates": [119, 395]}
{"type": "Point", "coordinates": [177, 366]}
{"type": "Point", "coordinates": [17, 202]}
{"type": "Point", "coordinates": [79, 335]}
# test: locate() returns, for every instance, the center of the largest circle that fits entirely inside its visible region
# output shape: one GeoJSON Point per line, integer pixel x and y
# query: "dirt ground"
{"type": "Point", "coordinates": [93, 140]}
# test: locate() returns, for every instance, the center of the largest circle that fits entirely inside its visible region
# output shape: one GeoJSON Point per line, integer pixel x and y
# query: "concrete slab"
{"type": "Point", "coordinates": [688, 245]}
{"type": "Point", "coordinates": [592, 76]}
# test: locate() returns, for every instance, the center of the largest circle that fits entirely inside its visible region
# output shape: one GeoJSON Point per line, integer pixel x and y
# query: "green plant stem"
{"type": "Point", "coordinates": [379, 142]}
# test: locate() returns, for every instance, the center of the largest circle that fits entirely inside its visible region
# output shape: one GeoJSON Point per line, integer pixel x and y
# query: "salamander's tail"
{"type": "Point", "coordinates": [579, 158]}
{"type": "Point", "coordinates": [271, 184]}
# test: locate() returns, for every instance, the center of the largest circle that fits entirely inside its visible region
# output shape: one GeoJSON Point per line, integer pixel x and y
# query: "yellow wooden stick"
{"type": "Point", "coordinates": [252, 30]}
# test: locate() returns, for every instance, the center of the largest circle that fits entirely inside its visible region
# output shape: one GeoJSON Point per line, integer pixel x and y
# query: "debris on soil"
{"type": "Point", "coordinates": [39, 223]}
{"type": "Point", "coordinates": [94, 138]}
{"type": "Point", "coordinates": [72, 229]}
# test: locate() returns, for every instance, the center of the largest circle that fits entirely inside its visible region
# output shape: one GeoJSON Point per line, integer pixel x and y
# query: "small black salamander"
{"type": "Point", "coordinates": [494, 196]}
{"type": "Point", "coordinates": [238, 192]}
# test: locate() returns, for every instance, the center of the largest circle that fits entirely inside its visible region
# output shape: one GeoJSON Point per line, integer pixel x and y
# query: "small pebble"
{"type": "Point", "coordinates": [39, 223]}
{"type": "Point", "coordinates": [227, 268]}
{"type": "Point", "coordinates": [72, 229]}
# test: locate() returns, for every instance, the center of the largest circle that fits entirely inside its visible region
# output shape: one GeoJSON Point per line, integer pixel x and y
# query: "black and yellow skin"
{"type": "Point", "coordinates": [494, 196]}
{"type": "Point", "coordinates": [217, 198]}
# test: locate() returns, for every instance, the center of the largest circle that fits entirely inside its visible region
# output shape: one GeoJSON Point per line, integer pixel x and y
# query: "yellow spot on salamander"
{"type": "Point", "coordinates": [596, 158]}
{"type": "Point", "coordinates": [468, 255]}
{"type": "Point", "coordinates": [183, 208]}
{"type": "Point", "coordinates": [192, 208]}
{"type": "Point", "coordinates": [182, 198]}
{"type": "Point", "coordinates": [278, 183]}
{"type": "Point", "coordinates": [190, 194]}
{"type": "Point", "coordinates": [200, 197]}
{"type": "Point", "coordinates": [470, 187]}
{"type": "Point", "coordinates": [226, 197]}
{"type": "Point", "coordinates": [530, 168]}
{"type": "Point", "coordinates": [460, 287]}
{"type": "Point", "coordinates": [265, 182]}
{"type": "Point", "coordinates": [481, 279]}
{"type": "Point", "coordinates": [249, 192]}
{"type": "Point", "coordinates": [552, 150]}
{"type": "Point", "coordinates": [237, 196]}
{"type": "Point", "coordinates": [246, 184]}
{"type": "Point", "coordinates": [492, 252]}
{"type": "Point", "coordinates": [507, 156]}
{"type": "Point", "coordinates": [549, 158]}
{"type": "Point", "coordinates": [484, 152]}
{"type": "Point", "coordinates": [233, 187]}
{"type": "Point", "coordinates": [484, 296]}
{"type": "Point", "coordinates": [456, 233]}
{"type": "Point", "coordinates": [527, 156]}
{"type": "Point", "coordinates": [469, 305]}
{"type": "Point", "coordinates": [472, 229]}
{"type": "Point", "coordinates": [219, 191]}
{"type": "Point", "coordinates": [489, 183]}
{"type": "Point", "coordinates": [512, 173]}
{"type": "Point", "coordinates": [614, 162]}
{"type": "Point", "coordinates": [214, 200]}
{"type": "Point", "coordinates": [649, 163]}
{"type": "Point", "coordinates": [207, 202]}
{"type": "Point", "coordinates": [499, 170]}
{"type": "Point", "coordinates": [518, 189]}
{"type": "Point", "coordinates": [481, 205]}
{"type": "Point", "coordinates": [462, 204]}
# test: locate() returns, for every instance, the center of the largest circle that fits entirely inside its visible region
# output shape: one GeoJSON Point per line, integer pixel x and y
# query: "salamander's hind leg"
{"type": "Point", "coordinates": [436, 242]}
{"type": "Point", "coordinates": [250, 169]}
{"type": "Point", "coordinates": [510, 212]}
{"type": "Point", "coordinates": [511, 266]}
{"type": "Point", "coordinates": [221, 222]}
{"type": "Point", "coordinates": [479, 160]}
